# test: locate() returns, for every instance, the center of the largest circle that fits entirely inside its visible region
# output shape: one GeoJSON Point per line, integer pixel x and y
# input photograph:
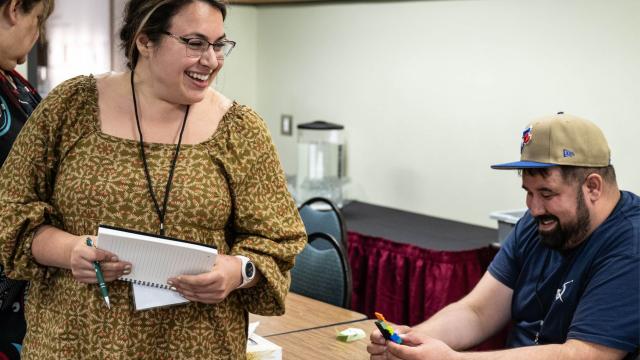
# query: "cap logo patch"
{"type": "Point", "coordinates": [567, 153]}
{"type": "Point", "coordinates": [526, 137]}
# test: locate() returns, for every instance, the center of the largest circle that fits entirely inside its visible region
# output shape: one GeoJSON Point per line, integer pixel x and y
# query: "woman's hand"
{"type": "Point", "coordinates": [82, 258]}
{"type": "Point", "coordinates": [214, 286]}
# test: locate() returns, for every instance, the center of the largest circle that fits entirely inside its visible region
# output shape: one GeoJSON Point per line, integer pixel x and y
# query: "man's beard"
{"type": "Point", "coordinates": [569, 234]}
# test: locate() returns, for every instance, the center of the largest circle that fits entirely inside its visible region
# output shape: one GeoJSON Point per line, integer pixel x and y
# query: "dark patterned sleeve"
{"type": "Point", "coordinates": [26, 185]}
{"type": "Point", "coordinates": [266, 223]}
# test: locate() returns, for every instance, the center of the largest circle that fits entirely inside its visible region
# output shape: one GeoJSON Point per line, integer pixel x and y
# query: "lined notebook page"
{"type": "Point", "coordinates": [155, 259]}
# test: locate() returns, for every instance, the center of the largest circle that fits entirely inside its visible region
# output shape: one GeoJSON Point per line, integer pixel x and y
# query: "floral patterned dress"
{"type": "Point", "coordinates": [228, 191]}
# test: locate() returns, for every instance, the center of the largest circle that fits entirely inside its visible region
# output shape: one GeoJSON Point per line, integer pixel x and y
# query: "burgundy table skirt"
{"type": "Point", "coordinates": [408, 284]}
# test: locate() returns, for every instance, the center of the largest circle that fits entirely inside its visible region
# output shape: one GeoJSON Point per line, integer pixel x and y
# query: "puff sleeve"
{"type": "Point", "coordinates": [27, 180]}
{"type": "Point", "coordinates": [266, 226]}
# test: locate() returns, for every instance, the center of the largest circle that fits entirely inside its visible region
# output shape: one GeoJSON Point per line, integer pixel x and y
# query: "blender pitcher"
{"type": "Point", "coordinates": [321, 162]}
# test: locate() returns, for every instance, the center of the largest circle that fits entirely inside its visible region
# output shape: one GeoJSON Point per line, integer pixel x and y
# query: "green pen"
{"type": "Point", "coordinates": [103, 286]}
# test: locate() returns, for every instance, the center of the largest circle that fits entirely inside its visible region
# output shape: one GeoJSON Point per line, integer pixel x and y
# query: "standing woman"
{"type": "Point", "coordinates": [20, 24]}
{"type": "Point", "coordinates": [155, 150]}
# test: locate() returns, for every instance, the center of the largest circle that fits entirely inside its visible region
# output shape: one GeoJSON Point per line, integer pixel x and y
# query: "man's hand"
{"type": "Point", "coordinates": [378, 346]}
{"type": "Point", "coordinates": [483, 312]}
{"type": "Point", "coordinates": [416, 346]}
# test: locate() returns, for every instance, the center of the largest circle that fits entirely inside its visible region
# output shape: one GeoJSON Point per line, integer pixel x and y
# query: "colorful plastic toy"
{"type": "Point", "coordinates": [387, 331]}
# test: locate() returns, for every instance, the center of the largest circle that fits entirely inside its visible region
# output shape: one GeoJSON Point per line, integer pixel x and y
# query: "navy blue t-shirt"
{"type": "Point", "coordinates": [590, 293]}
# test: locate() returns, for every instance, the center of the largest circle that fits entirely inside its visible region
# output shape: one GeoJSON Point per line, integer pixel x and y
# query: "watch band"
{"type": "Point", "coordinates": [247, 270]}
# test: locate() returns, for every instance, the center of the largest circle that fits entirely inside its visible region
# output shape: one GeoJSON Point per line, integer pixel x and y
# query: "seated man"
{"type": "Point", "coordinates": [567, 277]}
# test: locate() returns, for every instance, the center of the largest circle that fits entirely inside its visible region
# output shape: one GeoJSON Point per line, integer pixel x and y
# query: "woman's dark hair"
{"type": "Point", "coordinates": [152, 18]}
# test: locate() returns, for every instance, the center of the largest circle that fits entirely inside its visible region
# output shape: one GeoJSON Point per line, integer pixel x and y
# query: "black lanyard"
{"type": "Point", "coordinates": [161, 212]}
{"type": "Point", "coordinates": [540, 304]}
{"type": "Point", "coordinates": [566, 263]}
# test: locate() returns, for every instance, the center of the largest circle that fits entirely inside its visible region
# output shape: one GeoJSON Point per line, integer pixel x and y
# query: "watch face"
{"type": "Point", "coordinates": [249, 269]}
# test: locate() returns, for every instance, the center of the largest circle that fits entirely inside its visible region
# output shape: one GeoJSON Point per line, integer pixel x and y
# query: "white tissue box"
{"type": "Point", "coordinates": [259, 348]}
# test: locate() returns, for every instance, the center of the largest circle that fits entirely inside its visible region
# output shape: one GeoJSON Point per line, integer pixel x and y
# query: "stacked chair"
{"type": "Point", "coordinates": [321, 215]}
{"type": "Point", "coordinates": [322, 271]}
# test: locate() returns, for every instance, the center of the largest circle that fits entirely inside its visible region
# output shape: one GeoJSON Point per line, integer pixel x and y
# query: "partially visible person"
{"type": "Point", "coordinates": [21, 22]}
{"type": "Point", "coordinates": [157, 150]}
{"type": "Point", "coordinates": [568, 275]}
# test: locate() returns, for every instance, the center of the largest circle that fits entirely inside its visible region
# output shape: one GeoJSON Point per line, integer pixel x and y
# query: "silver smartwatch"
{"type": "Point", "coordinates": [248, 270]}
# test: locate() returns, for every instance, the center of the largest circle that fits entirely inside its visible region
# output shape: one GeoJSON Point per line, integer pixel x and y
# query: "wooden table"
{"type": "Point", "coordinates": [303, 313]}
{"type": "Point", "coordinates": [321, 344]}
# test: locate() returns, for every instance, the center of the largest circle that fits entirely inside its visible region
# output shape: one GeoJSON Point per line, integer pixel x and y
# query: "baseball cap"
{"type": "Point", "coordinates": [561, 139]}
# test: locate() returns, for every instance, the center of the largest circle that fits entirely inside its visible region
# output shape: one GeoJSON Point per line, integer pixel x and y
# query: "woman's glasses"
{"type": "Point", "coordinates": [196, 47]}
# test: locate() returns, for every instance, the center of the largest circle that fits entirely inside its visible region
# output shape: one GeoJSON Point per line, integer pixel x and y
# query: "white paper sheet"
{"type": "Point", "coordinates": [259, 348]}
{"type": "Point", "coordinates": [146, 297]}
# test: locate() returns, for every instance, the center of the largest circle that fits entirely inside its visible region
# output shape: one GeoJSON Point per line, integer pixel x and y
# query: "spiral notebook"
{"type": "Point", "coordinates": [155, 258]}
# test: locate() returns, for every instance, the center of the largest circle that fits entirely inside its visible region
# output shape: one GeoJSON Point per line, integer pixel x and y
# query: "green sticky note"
{"type": "Point", "coordinates": [351, 334]}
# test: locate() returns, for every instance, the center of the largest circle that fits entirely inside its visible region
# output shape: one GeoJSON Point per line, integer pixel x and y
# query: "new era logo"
{"type": "Point", "coordinates": [567, 153]}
